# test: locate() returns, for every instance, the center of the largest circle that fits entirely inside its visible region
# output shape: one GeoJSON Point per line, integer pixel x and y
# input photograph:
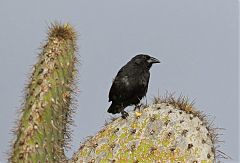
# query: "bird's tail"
{"type": "Point", "coordinates": [115, 108]}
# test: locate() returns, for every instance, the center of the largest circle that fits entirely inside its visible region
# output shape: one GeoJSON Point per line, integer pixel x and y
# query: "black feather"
{"type": "Point", "coordinates": [131, 83]}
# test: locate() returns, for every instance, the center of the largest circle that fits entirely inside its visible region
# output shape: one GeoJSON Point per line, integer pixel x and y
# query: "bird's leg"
{"type": "Point", "coordinates": [138, 106]}
{"type": "Point", "coordinates": [124, 114]}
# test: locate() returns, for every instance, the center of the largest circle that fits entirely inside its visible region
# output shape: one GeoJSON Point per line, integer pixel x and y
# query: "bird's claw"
{"type": "Point", "coordinates": [138, 107]}
{"type": "Point", "coordinates": [124, 114]}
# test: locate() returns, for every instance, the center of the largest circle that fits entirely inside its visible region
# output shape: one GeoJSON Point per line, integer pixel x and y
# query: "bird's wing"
{"type": "Point", "coordinates": [128, 84]}
{"type": "Point", "coordinates": [119, 85]}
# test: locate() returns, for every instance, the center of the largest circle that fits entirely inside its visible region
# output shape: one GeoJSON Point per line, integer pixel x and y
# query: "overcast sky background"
{"type": "Point", "coordinates": [196, 41]}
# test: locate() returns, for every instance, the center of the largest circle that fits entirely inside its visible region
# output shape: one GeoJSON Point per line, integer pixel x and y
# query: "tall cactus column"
{"type": "Point", "coordinates": [46, 113]}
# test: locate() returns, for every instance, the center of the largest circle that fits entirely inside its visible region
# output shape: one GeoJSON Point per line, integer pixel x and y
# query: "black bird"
{"type": "Point", "coordinates": [131, 84]}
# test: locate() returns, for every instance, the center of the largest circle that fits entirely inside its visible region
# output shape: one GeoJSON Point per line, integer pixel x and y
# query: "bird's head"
{"type": "Point", "coordinates": [145, 60]}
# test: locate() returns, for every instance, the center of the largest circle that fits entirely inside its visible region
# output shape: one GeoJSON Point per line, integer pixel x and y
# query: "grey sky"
{"type": "Point", "coordinates": [196, 41]}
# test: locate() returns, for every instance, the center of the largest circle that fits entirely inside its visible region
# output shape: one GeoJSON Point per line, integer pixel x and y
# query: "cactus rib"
{"type": "Point", "coordinates": [46, 113]}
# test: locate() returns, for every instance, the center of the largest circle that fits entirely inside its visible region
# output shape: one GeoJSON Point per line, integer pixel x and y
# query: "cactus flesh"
{"type": "Point", "coordinates": [162, 132]}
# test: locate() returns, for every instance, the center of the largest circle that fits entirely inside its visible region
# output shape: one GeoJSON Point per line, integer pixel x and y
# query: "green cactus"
{"type": "Point", "coordinates": [167, 131]}
{"type": "Point", "coordinates": [42, 132]}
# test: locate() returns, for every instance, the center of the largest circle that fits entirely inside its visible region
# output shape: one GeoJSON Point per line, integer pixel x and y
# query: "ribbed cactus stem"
{"type": "Point", "coordinates": [168, 131]}
{"type": "Point", "coordinates": [42, 130]}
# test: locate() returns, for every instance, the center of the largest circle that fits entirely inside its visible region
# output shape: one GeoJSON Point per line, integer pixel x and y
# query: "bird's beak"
{"type": "Point", "coordinates": [153, 60]}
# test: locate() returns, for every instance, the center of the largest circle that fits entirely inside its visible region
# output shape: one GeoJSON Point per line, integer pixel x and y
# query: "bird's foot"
{"type": "Point", "coordinates": [124, 114]}
{"type": "Point", "coordinates": [138, 107]}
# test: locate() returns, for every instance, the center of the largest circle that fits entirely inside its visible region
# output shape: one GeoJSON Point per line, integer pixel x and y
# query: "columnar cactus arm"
{"type": "Point", "coordinates": [42, 130]}
{"type": "Point", "coordinates": [168, 131]}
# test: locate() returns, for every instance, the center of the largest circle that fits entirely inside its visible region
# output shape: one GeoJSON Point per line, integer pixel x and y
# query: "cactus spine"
{"type": "Point", "coordinates": [43, 128]}
{"type": "Point", "coordinates": [168, 131]}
